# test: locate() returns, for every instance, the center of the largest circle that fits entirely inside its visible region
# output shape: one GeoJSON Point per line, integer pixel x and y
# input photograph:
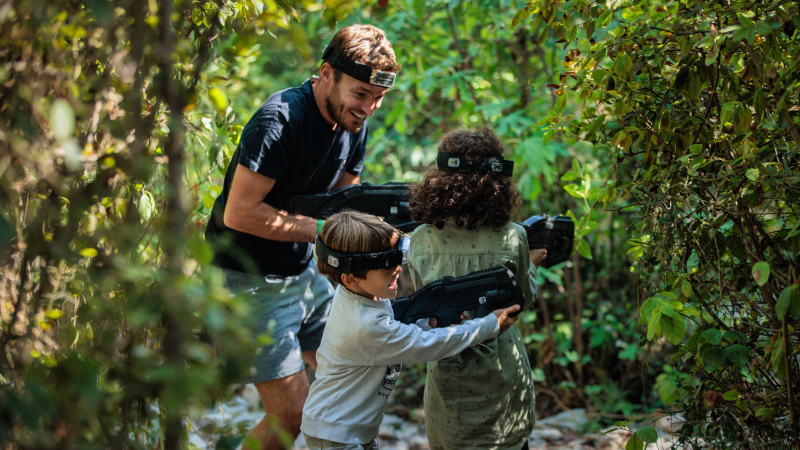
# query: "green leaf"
{"type": "Point", "coordinates": [713, 336]}
{"type": "Point", "coordinates": [647, 434]}
{"type": "Point", "coordinates": [738, 354]}
{"type": "Point", "coordinates": [574, 190]}
{"type": "Point", "coordinates": [521, 14]}
{"type": "Point", "coordinates": [584, 249]}
{"type": "Point", "coordinates": [731, 396]}
{"type": "Point", "coordinates": [569, 176]}
{"type": "Point", "coordinates": [648, 307]}
{"type": "Point", "coordinates": [761, 272]}
{"type": "Point", "coordinates": [654, 325]}
{"type": "Point", "coordinates": [672, 325]}
{"type": "Point", "coordinates": [635, 443]}
{"type": "Point", "coordinates": [789, 300]}
{"type": "Point", "coordinates": [778, 359]}
{"type": "Point", "coordinates": [733, 336]}
{"type": "Point", "coordinates": [752, 175]}
{"type": "Point", "coordinates": [147, 206]}
{"type": "Point", "coordinates": [691, 312]}
{"type": "Point", "coordinates": [686, 288]}
{"type": "Point", "coordinates": [62, 119]}
{"type": "Point", "coordinates": [765, 413]}
{"type": "Point", "coordinates": [713, 358]}
{"type": "Point", "coordinates": [604, 19]}
{"type": "Point", "coordinates": [548, 135]}
{"type": "Point", "coordinates": [561, 103]}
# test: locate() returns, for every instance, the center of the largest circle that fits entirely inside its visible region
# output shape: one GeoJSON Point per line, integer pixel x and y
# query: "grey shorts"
{"type": "Point", "coordinates": [322, 444]}
{"type": "Point", "coordinates": [291, 310]}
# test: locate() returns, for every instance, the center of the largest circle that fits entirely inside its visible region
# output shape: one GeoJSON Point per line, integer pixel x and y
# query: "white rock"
{"type": "Point", "coordinates": [391, 420]}
{"type": "Point", "coordinates": [250, 395]}
{"type": "Point", "coordinates": [670, 424]}
{"type": "Point", "coordinates": [198, 441]}
{"type": "Point", "coordinates": [571, 420]}
{"type": "Point", "coordinates": [537, 444]}
{"type": "Point", "coordinates": [386, 433]}
{"type": "Point", "coordinates": [548, 434]}
{"type": "Point", "coordinates": [661, 444]}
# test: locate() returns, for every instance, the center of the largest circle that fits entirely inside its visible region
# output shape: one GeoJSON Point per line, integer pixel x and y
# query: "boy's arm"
{"type": "Point", "coordinates": [410, 344]}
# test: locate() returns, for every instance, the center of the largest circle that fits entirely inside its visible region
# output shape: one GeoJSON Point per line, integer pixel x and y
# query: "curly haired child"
{"type": "Point", "coordinates": [482, 397]}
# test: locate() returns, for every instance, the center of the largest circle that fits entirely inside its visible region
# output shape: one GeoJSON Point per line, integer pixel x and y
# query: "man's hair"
{"type": "Point", "coordinates": [365, 44]}
{"type": "Point", "coordinates": [352, 232]}
{"type": "Point", "coordinates": [471, 199]}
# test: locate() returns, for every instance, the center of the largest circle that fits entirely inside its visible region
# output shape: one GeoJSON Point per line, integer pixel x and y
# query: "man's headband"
{"type": "Point", "coordinates": [348, 263]}
{"type": "Point", "coordinates": [360, 72]}
{"type": "Point", "coordinates": [459, 163]}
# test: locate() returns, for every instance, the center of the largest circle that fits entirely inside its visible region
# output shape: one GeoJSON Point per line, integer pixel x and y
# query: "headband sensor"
{"type": "Point", "coordinates": [348, 263]}
{"type": "Point", "coordinates": [459, 163]}
{"type": "Point", "coordinates": [360, 72]}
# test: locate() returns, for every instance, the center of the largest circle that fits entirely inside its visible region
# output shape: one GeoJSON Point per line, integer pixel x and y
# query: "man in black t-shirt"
{"type": "Point", "coordinates": [303, 140]}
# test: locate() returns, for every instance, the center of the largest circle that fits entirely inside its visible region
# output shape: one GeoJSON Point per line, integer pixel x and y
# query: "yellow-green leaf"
{"type": "Point", "coordinates": [218, 98]}
{"type": "Point", "coordinates": [90, 252]}
{"type": "Point", "coordinates": [54, 314]}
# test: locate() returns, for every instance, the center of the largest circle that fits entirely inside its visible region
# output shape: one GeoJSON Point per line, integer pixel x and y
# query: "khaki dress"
{"type": "Point", "coordinates": [482, 397]}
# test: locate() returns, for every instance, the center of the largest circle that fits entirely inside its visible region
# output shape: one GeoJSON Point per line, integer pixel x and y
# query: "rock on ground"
{"type": "Point", "coordinates": [564, 431]}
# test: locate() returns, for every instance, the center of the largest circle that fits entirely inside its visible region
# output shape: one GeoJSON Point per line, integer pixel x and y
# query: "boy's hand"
{"type": "Point", "coordinates": [504, 319]}
{"type": "Point", "coordinates": [538, 255]}
{"type": "Point", "coordinates": [433, 322]}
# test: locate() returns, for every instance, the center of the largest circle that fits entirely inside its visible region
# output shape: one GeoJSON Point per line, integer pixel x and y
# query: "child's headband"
{"type": "Point", "coordinates": [347, 263]}
{"type": "Point", "coordinates": [360, 72]}
{"type": "Point", "coordinates": [459, 163]}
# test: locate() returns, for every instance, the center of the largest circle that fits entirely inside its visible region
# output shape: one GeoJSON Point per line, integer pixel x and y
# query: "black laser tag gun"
{"type": "Point", "coordinates": [389, 201]}
{"type": "Point", "coordinates": [483, 291]}
{"type": "Point", "coordinates": [556, 234]}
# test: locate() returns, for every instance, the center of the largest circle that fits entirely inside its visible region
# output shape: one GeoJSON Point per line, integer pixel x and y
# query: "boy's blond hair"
{"type": "Point", "coordinates": [353, 232]}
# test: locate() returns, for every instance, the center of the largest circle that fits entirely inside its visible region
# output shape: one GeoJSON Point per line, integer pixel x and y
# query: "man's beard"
{"type": "Point", "coordinates": [338, 112]}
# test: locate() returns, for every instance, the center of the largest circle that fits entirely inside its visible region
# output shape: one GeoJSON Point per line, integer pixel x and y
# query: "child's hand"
{"type": "Point", "coordinates": [538, 255]}
{"type": "Point", "coordinates": [504, 319]}
{"type": "Point", "coordinates": [433, 322]}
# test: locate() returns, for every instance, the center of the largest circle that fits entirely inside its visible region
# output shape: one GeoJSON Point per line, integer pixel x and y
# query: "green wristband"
{"type": "Point", "coordinates": [319, 225]}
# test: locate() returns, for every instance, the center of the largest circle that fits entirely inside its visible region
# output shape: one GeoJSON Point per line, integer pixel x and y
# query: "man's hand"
{"type": "Point", "coordinates": [503, 317]}
{"type": "Point", "coordinates": [538, 255]}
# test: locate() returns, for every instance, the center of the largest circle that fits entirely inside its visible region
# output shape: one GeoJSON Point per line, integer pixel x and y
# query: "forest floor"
{"type": "Point", "coordinates": [567, 430]}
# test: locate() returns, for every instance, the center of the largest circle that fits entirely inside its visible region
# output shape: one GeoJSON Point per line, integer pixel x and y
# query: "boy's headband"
{"type": "Point", "coordinates": [347, 263]}
{"type": "Point", "coordinates": [459, 163]}
{"type": "Point", "coordinates": [360, 72]}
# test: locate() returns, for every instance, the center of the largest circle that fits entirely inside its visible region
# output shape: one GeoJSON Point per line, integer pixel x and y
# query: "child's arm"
{"type": "Point", "coordinates": [410, 344]}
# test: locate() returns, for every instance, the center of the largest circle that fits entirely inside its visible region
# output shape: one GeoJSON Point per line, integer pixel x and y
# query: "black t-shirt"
{"type": "Point", "coordinates": [288, 140]}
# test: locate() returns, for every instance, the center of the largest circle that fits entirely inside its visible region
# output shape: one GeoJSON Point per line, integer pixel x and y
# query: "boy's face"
{"type": "Point", "coordinates": [380, 283]}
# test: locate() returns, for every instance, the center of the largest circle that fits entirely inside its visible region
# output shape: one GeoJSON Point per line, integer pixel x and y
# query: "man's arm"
{"type": "Point", "coordinates": [246, 211]}
{"type": "Point", "coordinates": [346, 179]}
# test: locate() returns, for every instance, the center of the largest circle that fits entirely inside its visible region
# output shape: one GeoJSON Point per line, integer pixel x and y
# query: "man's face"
{"type": "Point", "coordinates": [350, 102]}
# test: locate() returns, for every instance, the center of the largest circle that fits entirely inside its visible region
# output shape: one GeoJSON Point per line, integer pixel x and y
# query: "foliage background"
{"type": "Point", "coordinates": [664, 130]}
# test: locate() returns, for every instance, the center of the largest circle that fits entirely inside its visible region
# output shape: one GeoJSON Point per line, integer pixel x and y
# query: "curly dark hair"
{"type": "Point", "coordinates": [471, 199]}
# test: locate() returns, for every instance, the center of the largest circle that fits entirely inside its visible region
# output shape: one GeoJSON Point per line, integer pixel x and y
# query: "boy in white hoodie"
{"type": "Point", "coordinates": [363, 347]}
